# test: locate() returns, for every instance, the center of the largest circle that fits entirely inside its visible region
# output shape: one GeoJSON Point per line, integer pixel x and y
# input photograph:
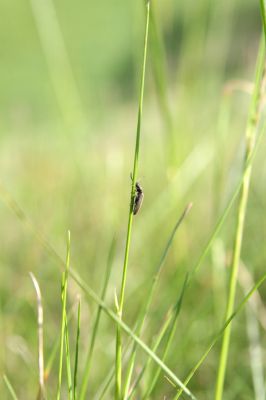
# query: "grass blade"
{"type": "Point", "coordinates": [77, 353]}
{"type": "Point", "coordinates": [169, 339]}
{"type": "Point", "coordinates": [68, 360]}
{"type": "Point", "coordinates": [172, 318]}
{"type": "Point", "coordinates": [130, 215]}
{"type": "Point", "coordinates": [85, 379]}
{"type": "Point", "coordinates": [253, 334]}
{"type": "Point", "coordinates": [93, 296]}
{"type": "Point", "coordinates": [63, 323]}
{"type": "Point", "coordinates": [145, 309]}
{"type": "Point", "coordinates": [251, 131]}
{"type": "Point", "coordinates": [10, 388]}
{"type": "Point", "coordinates": [221, 331]}
{"type": "Point", "coordinates": [40, 335]}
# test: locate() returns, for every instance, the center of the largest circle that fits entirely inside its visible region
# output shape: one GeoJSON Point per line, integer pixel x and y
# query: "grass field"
{"type": "Point", "coordinates": [70, 83]}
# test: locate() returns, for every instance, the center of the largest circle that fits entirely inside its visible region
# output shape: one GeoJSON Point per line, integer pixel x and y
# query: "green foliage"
{"type": "Point", "coordinates": [69, 83]}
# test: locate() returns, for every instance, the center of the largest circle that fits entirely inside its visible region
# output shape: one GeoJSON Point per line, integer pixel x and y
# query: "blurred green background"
{"type": "Point", "coordinates": [69, 85]}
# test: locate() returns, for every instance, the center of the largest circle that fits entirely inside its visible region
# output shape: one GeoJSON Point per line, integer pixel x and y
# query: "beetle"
{"type": "Point", "coordinates": [138, 199]}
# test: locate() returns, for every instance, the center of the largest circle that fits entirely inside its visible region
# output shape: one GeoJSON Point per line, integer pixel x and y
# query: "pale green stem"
{"type": "Point", "coordinates": [250, 143]}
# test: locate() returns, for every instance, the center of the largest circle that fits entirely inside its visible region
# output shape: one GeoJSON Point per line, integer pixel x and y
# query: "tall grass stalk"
{"type": "Point", "coordinates": [85, 378]}
{"type": "Point", "coordinates": [254, 337]}
{"type": "Point", "coordinates": [130, 218]}
{"type": "Point", "coordinates": [149, 296]}
{"type": "Point", "coordinates": [251, 131]}
{"type": "Point", "coordinates": [239, 308]}
{"type": "Point", "coordinates": [68, 361]}
{"type": "Point", "coordinates": [77, 353]}
{"type": "Point", "coordinates": [63, 322]}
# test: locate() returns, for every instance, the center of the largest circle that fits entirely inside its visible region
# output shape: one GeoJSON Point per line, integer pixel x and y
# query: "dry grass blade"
{"type": "Point", "coordinates": [40, 336]}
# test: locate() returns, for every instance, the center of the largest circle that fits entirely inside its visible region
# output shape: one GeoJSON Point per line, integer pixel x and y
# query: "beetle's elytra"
{"type": "Point", "coordinates": [138, 199]}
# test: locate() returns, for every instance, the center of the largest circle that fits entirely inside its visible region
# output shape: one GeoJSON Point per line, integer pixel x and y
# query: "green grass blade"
{"type": "Point", "coordinates": [77, 353]}
{"type": "Point", "coordinates": [171, 318]}
{"type": "Point", "coordinates": [250, 143]}
{"type": "Point", "coordinates": [93, 296]}
{"type": "Point", "coordinates": [63, 322]}
{"type": "Point", "coordinates": [55, 348]}
{"type": "Point", "coordinates": [13, 205]}
{"type": "Point", "coordinates": [68, 361]}
{"type": "Point", "coordinates": [10, 388]}
{"type": "Point", "coordinates": [145, 309]}
{"type": "Point", "coordinates": [169, 339]}
{"type": "Point", "coordinates": [221, 331]}
{"type": "Point", "coordinates": [85, 379]}
{"type": "Point", "coordinates": [130, 215]}
{"type": "Point", "coordinates": [160, 336]}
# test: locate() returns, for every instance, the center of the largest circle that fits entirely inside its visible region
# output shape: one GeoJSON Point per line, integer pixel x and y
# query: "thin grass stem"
{"type": "Point", "coordinates": [84, 384]}
{"type": "Point", "coordinates": [10, 388]}
{"type": "Point", "coordinates": [68, 361]}
{"type": "Point", "coordinates": [77, 353]}
{"type": "Point", "coordinates": [63, 323]}
{"type": "Point", "coordinates": [149, 297]}
{"type": "Point", "coordinates": [169, 340]}
{"type": "Point", "coordinates": [118, 387]}
{"type": "Point", "coordinates": [251, 131]}
{"type": "Point", "coordinates": [221, 331]}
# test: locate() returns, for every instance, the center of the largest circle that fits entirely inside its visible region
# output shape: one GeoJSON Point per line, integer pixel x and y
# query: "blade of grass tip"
{"type": "Point", "coordinates": [221, 331]}
{"type": "Point", "coordinates": [63, 322]}
{"type": "Point", "coordinates": [77, 353]}
{"type": "Point", "coordinates": [130, 216]}
{"type": "Point", "coordinates": [10, 388]}
{"type": "Point", "coordinates": [149, 297]}
{"type": "Point", "coordinates": [17, 210]}
{"type": "Point", "coordinates": [40, 335]}
{"type": "Point", "coordinates": [169, 340]}
{"type": "Point", "coordinates": [68, 361]}
{"type": "Point", "coordinates": [251, 130]}
{"type": "Point", "coordinates": [173, 319]}
{"type": "Point", "coordinates": [85, 379]}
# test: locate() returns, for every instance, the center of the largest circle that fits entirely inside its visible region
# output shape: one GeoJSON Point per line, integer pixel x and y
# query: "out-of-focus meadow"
{"type": "Point", "coordinates": [69, 86]}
